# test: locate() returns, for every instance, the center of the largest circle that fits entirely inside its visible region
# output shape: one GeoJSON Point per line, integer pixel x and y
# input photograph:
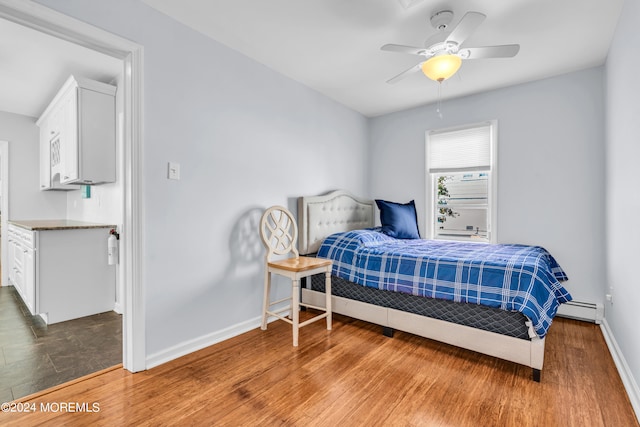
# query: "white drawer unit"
{"type": "Point", "coordinates": [61, 270]}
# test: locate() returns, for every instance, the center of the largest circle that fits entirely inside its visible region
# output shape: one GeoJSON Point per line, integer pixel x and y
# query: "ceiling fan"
{"type": "Point", "coordinates": [443, 53]}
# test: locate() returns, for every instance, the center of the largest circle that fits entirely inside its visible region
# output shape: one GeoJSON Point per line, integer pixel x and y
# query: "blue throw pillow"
{"type": "Point", "coordinates": [399, 220]}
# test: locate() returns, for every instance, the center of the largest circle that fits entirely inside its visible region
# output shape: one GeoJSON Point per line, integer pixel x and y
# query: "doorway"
{"type": "Point", "coordinates": [55, 24]}
{"type": "Point", "coordinates": [35, 355]}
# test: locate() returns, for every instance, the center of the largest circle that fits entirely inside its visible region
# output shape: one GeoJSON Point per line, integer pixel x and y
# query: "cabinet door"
{"type": "Point", "coordinates": [69, 137]}
{"type": "Point", "coordinates": [11, 250]}
{"type": "Point", "coordinates": [18, 256]}
{"type": "Point", "coordinates": [18, 284]}
{"type": "Point", "coordinates": [52, 132]}
{"type": "Point", "coordinates": [29, 280]}
{"type": "Point", "coordinates": [18, 266]}
{"type": "Point", "coordinates": [45, 153]}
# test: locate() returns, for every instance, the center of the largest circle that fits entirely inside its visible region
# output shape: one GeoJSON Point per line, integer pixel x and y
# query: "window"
{"type": "Point", "coordinates": [461, 183]}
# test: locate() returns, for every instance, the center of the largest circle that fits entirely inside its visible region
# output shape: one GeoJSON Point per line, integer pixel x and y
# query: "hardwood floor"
{"type": "Point", "coordinates": [352, 375]}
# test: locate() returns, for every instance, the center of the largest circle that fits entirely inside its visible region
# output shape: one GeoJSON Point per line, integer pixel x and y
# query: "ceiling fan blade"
{"type": "Point", "coordinates": [404, 74]}
{"type": "Point", "coordinates": [404, 49]}
{"type": "Point", "coordinates": [503, 51]}
{"type": "Point", "coordinates": [467, 25]}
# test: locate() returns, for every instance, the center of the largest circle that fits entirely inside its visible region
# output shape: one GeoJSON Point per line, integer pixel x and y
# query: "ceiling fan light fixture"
{"type": "Point", "coordinates": [441, 67]}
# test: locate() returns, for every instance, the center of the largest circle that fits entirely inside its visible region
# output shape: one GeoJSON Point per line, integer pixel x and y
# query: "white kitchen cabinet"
{"type": "Point", "coordinates": [78, 135]}
{"type": "Point", "coordinates": [21, 264]}
{"type": "Point", "coordinates": [49, 129]}
{"type": "Point", "coordinates": [60, 268]}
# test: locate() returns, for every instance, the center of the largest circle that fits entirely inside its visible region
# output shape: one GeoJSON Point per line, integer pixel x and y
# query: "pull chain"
{"type": "Point", "coordinates": [439, 103]}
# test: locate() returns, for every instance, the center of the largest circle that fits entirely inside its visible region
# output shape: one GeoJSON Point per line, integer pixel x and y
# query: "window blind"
{"type": "Point", "coordinates": [460, 150]}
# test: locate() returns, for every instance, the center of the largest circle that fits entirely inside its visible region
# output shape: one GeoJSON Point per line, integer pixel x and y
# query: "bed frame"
{"type": "Point", "coordinates": [338, 211]}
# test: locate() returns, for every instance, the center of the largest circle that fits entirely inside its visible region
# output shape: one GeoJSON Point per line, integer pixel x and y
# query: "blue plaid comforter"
{"type": "Point", "coordinates": [510, 277]}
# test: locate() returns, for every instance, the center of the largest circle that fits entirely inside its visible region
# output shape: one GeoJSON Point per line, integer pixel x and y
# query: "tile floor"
{"type": "Point", "coordinates": [35, 356]}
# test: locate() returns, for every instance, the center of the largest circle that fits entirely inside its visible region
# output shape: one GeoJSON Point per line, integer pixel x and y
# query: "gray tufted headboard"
{"type": "Point", "coordinates": [321, 216]}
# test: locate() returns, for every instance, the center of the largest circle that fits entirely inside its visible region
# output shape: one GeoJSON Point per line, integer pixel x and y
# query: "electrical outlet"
{"type": "Point", "coordinates": [174, 170]}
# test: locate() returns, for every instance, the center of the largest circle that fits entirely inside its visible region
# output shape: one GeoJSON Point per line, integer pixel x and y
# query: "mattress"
{"type": "Point", "coordinates": [510, 277]}
{"type": "Point", "coordinates": [510, 323]}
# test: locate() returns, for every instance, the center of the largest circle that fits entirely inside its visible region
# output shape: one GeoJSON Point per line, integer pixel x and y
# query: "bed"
{"type": "Point", "coordinates": [509, 323]}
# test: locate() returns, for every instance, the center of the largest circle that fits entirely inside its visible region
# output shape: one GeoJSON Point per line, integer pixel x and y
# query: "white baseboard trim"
{"type": "Point", "coordinates": [591, 312]}
{"type": "Point", "coordinates": [630, 384]}
{"type": "Point", "coordinates": [199, 343]}
{"type": "Point", "coordinates": [118, 308]}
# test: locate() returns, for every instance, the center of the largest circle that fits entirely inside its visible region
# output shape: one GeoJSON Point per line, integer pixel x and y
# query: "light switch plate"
{"type": "Point", "coordinates": [174, 170]}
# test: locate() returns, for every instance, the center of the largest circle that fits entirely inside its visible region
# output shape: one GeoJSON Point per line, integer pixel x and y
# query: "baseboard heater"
{"type": "Point", "coordinates": [587, 311]}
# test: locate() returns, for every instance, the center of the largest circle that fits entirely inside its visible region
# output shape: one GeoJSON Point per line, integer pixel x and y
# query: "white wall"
{"type": "Point", "coordinates": [623, 193]}
{"type": "Point", "coordinates": [104, 206]}
{"type": "Point", "coordinates": [26, 201]}
{"type": "Point", "coordinates": [246, 138]}
{"type": "Point", "coordinates": [550, 166]}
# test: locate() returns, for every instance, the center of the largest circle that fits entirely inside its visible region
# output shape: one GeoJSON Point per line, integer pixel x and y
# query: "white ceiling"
{"type": "Point", "coordinates": [33, 66]}
{"type": "Point", "coordinates": [333, 46]}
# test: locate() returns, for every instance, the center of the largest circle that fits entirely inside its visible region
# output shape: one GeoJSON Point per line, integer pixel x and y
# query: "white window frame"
{"type": "Point", "coordinates": [492, 229]}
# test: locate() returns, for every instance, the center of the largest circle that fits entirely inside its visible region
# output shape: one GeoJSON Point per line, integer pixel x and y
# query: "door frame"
{"type": "Point", "coordinates": [56, 24]}
{"type": "Point", "coordinates": [4, 207]}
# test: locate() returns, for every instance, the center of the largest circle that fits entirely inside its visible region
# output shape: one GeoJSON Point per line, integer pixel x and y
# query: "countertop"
{"type": "Point", "coordinates": [57, 224]}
